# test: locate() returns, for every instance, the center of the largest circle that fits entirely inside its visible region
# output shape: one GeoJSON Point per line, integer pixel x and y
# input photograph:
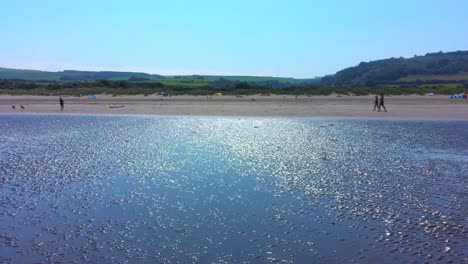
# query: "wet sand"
{"type": "Point", "coordinates": [152, 189]}
{"type": "Point", "coordinates": [399, 107]}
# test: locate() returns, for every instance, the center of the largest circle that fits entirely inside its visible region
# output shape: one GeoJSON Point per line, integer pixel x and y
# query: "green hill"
{"type": "Point", "coordinates": [28, 75]}
{"type": "Point", "coordinates": [431, 68]}
{"type": "Point", "coordinates": [70, 75]}
{"type": "Point", "coordinates": [179, 80]}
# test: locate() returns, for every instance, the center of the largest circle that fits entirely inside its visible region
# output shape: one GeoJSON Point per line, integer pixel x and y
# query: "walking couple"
{"type": "Point", "coordinates": [379, 103]}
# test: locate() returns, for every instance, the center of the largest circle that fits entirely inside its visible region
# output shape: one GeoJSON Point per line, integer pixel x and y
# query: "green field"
{"type": "Point", "coordinates": [212, 78]}
{"type": "Point", "coordinates": [171, 82]}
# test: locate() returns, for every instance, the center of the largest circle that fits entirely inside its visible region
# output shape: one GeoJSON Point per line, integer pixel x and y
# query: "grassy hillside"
{"type": "Point", "coordinates": [389, 71]}
{"type": "Point", "coordinates": [442, 73]}
{"type": "Point", "coordinates": [69, 75]}
{"type": "Point", "coordinates": [28, 75]}
{"type": "Point", "coordinates": [184, 80]}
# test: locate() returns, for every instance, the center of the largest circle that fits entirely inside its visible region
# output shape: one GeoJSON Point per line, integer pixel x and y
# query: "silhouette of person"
{"type": "Point", "coordinates": [381, 104]}
{"type": "Point", "coordinates": [61, 103]}
{"type": "Point", "coordinates": [376, 103]}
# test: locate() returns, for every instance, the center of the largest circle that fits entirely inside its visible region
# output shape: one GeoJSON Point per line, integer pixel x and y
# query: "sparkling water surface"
{"type": "Point", "coordinates": [146, 189]}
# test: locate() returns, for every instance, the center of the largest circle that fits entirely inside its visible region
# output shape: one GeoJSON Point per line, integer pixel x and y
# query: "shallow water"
{"type": "Point", "coordinates": [143, 189]}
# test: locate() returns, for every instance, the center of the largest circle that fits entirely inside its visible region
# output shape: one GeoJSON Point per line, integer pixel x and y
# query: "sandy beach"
{"type": "Point", "coordinates": [399, 107]}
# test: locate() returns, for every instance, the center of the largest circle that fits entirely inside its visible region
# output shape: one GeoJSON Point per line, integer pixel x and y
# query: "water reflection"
{"type": "Point", "coordinates": [146, 189]}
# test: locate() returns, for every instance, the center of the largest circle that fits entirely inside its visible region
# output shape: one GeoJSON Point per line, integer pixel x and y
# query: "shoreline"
{"type": "Point", "coordinates": [413, 107]}
{"type": "Point", "coordinates": [427, 119]}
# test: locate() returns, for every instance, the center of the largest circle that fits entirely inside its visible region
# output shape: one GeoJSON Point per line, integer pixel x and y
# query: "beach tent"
{"type": "Point", "coordinates": [456, 96]}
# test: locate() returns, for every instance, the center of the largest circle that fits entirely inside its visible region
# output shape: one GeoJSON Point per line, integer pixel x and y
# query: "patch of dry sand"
{"type": "Point", "coordinates": [399, 107]}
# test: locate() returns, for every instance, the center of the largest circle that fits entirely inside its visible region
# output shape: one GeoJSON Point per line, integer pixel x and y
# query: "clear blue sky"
{"type": "Point", "coordinates": [297, 38]}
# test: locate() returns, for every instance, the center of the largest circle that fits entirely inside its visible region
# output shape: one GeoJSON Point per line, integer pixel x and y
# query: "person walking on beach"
{"type": "Point", "coordinates": [381, 104]}
{"type": "Point", "coordinates": [61, 103]}
{"type": "Point", "coordinates": [376, 103]}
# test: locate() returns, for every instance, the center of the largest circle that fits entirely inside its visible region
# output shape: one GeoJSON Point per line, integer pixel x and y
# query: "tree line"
{"type": "Point", "coordinates": [225, 87]}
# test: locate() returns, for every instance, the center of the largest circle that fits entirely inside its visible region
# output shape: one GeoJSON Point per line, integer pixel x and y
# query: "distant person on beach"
{"type": "Point", "coordinates": [61, 103]}
{"type": "Point", "coordinates": [381, 104]}
{"type": "Point", "coordinates": [376, 103]}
